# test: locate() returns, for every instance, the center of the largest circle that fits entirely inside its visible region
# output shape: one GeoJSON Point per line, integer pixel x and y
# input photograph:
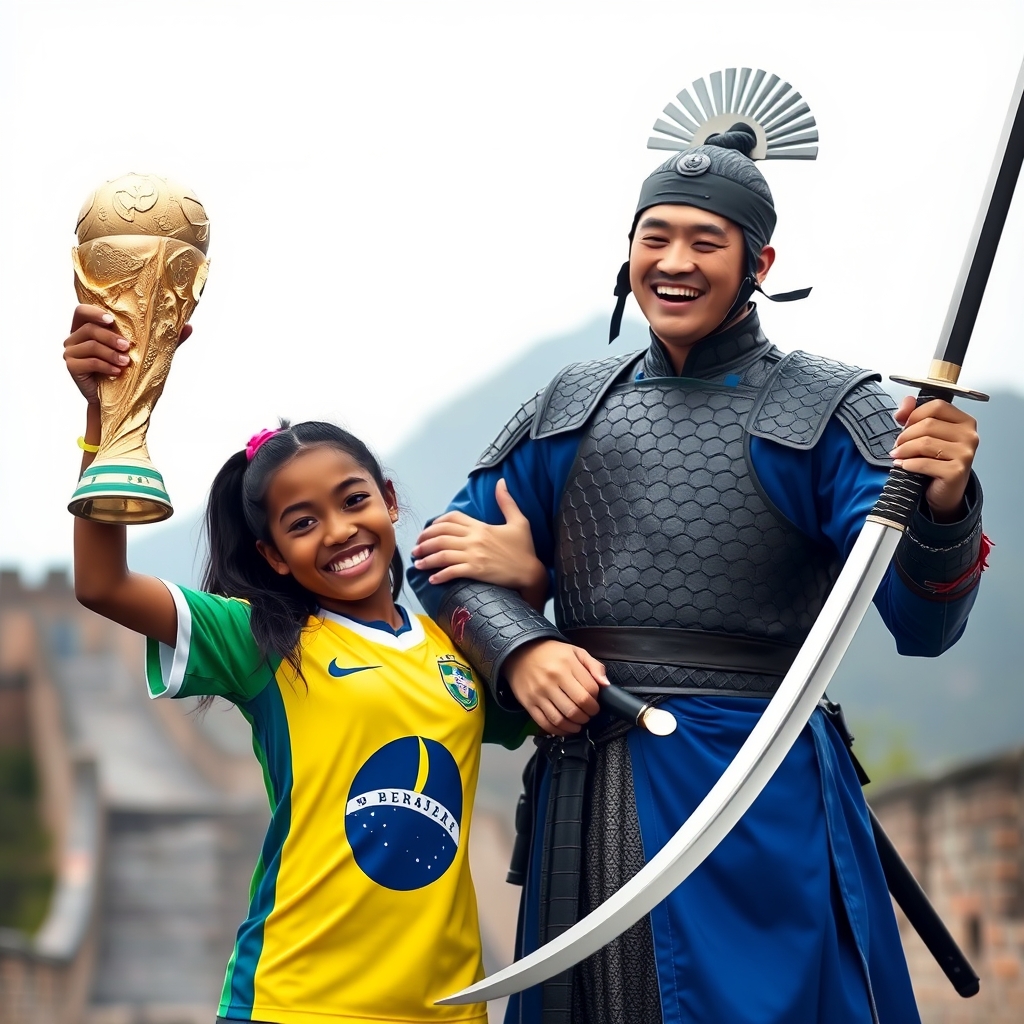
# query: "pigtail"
{"type": "Point", "coordinates": [397, 570]}
{"type": "Point", "coordinates": [235, 568]}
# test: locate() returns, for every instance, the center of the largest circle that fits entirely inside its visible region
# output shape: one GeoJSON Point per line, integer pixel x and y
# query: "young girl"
{"type": "Point", "coordinates": [366, 720]}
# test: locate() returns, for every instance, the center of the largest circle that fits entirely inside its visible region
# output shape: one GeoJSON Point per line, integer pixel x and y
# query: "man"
{"type": "Point", "coordinates": [695, 503]}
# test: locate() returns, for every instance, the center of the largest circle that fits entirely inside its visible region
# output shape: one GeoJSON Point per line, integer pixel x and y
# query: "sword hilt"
{"type": "Point", "coordinates": [903, 490]}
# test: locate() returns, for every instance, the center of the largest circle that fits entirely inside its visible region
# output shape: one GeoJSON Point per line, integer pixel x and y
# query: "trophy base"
{"type": "Point", "coordinates": [121, 491]}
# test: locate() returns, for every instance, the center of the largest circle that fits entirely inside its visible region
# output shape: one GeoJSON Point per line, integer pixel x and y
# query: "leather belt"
{"type": "Point", "coordinates": [687, 648]}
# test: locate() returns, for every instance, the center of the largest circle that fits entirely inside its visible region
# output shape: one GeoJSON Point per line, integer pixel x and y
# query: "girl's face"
{"type": "Point", "coordinates": [333, 530]}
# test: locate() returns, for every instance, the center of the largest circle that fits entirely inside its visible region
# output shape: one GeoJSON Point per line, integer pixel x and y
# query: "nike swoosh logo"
{"type": "Point", "coordinates": [338, 671]}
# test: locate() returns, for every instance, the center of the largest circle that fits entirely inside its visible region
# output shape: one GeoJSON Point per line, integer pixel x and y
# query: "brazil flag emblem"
{"type": "Point", "coordinates": [458, 681]}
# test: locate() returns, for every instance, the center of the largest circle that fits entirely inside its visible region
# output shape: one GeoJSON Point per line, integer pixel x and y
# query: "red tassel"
{"type": "Point", "coordinates": [972, 574]}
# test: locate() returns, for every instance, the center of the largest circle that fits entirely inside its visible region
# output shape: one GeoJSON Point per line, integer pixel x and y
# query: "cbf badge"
{"type": "Point", "coordinates": [458, 681]}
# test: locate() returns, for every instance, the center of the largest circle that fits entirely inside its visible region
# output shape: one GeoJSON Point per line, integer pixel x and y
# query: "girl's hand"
{"type": "Point", "coordinates": [458, 546]}
{"type": "Point", "coordinates": [940, 441]}
{"type": "Point", "coordinates": [94, 349]}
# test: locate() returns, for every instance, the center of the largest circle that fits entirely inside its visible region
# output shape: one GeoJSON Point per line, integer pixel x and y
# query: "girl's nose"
{"type": "Point", "coordinates": [338, 529]}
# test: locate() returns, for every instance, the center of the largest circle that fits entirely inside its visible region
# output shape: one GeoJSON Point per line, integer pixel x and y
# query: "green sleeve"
{"type": "Point", "coordinates": [215, 652]}
{"type": "Point", "coordinates": [509, 728]}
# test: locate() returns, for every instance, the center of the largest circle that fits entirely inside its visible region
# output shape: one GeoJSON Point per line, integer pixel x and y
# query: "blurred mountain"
{"type": "Point", "coordinates": [909, 713]}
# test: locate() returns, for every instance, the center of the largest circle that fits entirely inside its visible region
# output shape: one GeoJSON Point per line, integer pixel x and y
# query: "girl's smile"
{"type": "Point", "coordinates": [332, 530]}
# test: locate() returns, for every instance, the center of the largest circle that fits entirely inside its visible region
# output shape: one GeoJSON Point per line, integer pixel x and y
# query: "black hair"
{"type": "Point", "coordinates": [236, 519]}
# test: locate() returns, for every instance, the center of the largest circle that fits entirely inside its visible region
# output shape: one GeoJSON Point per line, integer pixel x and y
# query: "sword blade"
{"type": "Point", "coordinates": [763, 751]}
{"type": "Point", "coordinates": [988, 227]}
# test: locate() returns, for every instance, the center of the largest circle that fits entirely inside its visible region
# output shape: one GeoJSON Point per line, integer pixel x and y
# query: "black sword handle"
{"type": "Point", "coordinates": [903, 490]}
{"type": "Point", "coordinates": [621, 703]}
{"type": "Point", "coordinates": [912, 900]}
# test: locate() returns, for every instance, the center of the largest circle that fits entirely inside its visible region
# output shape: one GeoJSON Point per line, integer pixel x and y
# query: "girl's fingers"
{"type": "Point", "coordinates": [438, 559]}
{"type": "Point", "coordinates": [940, 410]}
{"type": "Point", "coordinates": [94, 350]}
{"type": "Point", "coordinates": [101, 335]}
{"type": "Point", "coordinates": [88, 367]}
{"type": "Point", "coordinates": [454, 517]}
{"type": "Point", "coordinates": [451, 572]}
{"type": "Point", "coordinates": [440, 542]}
{"type": "Point", "coordinates": [509, 509]}
{"type": "Point", "coordinates": [439, 529]}
{"type": "Point", "coordinates": [87, 314]}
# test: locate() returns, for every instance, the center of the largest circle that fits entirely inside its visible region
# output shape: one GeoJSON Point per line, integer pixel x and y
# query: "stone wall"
{"type": "Point", "coordinates": [962, 834]}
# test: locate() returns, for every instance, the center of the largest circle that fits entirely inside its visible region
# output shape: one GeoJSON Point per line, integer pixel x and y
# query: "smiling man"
{"type": "Point", "coordinates": [694, 504]}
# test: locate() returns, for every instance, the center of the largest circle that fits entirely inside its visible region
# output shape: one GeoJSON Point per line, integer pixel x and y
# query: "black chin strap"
{"type": "Point", "coordinates": [622, 290]}
{"type": "Point", "coordinates": [747, 289]}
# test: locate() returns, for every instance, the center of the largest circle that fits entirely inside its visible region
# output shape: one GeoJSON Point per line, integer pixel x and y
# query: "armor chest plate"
{"type": "Point", "coordinates": [663, 522]}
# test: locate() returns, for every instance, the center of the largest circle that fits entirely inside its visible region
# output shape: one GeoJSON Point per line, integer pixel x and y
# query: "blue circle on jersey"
{"type": "Point", "coordinates": [403, 818]}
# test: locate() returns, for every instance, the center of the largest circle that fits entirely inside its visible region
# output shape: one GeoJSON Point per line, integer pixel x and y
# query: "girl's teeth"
{"type": "Point", "coordinates": [353, 560]}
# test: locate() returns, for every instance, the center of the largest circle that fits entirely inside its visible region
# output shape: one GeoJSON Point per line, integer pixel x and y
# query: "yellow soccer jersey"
{"type": "Point", "coordinates": [362, 906]}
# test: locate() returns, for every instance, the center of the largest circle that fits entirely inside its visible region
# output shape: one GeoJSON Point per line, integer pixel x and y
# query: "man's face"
{"type": "Point", "coordinates": [685, 268]}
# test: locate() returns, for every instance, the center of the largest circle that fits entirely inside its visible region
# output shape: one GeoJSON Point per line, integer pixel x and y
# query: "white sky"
{"type": "Point", "coordinates": [403, 196]}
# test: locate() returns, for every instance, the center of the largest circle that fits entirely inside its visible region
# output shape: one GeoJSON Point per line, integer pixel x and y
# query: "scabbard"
{"type": "Point", "coordinates": [913, 901]}
{"type": "Point", "coordinates": [904, 887]}
{"type": "Point", "coordinates": [560, 861]}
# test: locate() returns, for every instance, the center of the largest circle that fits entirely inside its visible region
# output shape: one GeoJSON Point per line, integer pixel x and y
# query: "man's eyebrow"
{"type": "Point", "coordinates": [698, 229]}
{"type": "Point", "coordinates": [655, 222]}
{"type": "Point", "coordinates": [298, 506]}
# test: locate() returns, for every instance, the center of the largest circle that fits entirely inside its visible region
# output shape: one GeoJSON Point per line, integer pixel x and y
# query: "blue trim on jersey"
{"type": "Point", "coordinates": [270, 731]}
{"type": "Point", "coordinates": [385, 627]}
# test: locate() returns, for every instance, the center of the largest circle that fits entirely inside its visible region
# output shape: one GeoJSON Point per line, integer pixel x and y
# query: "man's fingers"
{"type": "Point", "coordinates": [934, 448]}
{"type": "Point", "coordinates": [581, 696]}
{"type": "Point", "coordinates": [594, 667]}
{"type": "Point", "coordinates": [940, 410]}
{"type": "Point", "coordinates": [557, 723]}
{"type": "Point", "coordinates": [507, 504]}
{"type": "Point", "coordinates": [439, 542]}
{"type": "Point", "coordinates": [98, 333]}
{"type": "Point", "coordinates": [947, 430]}
{"type": "Point", "coordinates": [439, 558]}
{"type": "Point", "coordinates": [440, 529]}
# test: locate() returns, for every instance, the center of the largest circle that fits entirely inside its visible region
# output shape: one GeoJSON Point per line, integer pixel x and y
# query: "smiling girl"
{"type": "Point", "coordinates": [366, 720]}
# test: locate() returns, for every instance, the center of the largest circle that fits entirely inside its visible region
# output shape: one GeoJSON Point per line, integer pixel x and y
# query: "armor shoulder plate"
{"type": "Point", "coordinates": [866, 412]}
{"type": "Point", "coordinates": [571, 398]}
{"type": "Point", "coordinates": [800, 395]}
{"type": "Point", "coordinates": [510, 435]}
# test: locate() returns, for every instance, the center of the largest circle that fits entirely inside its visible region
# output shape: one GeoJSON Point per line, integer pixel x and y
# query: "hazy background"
{"type": "Point", "coordinates": [406, 197]}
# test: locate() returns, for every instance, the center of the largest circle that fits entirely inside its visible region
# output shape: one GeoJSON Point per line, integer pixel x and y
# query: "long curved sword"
{"type": "Point", "coordinates": [804, 685]}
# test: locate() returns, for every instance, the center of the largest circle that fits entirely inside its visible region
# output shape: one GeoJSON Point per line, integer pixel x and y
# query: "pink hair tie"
{"type": "Point", "coordinates": [257, 441]}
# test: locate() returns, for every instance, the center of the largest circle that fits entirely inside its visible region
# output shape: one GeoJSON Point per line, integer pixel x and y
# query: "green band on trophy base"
{"type": "Point", "coordinates": [121, 492]}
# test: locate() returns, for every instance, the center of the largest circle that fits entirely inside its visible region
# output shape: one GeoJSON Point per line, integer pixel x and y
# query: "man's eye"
{"type": "Point", "coordinates": [706, 246]}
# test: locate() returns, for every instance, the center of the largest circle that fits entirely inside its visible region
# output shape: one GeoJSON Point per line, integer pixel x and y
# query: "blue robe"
{"type": "Point", "coordinates": [789, 920]}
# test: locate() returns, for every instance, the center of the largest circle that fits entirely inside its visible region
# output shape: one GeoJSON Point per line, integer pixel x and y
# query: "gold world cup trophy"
{"type": "Point", "coordinates": [141, 255]}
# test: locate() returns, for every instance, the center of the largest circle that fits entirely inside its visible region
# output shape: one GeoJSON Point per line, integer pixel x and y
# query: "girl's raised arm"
{"type": "Point", "coordinates": [103, 581]}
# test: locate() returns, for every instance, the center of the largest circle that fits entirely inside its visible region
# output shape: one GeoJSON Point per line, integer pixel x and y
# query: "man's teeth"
{"type": "Point", "coordinates": [678, 291]}
{"type": "Point", "coordinates": [351, 561]}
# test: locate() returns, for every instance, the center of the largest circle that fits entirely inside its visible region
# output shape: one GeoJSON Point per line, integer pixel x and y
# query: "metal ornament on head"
{"type": "Point", "coordinates": [738, 116]}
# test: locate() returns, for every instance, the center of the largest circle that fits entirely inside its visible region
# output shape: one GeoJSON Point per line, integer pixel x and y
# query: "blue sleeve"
{"type": "Point", "coordinates": [535, 472]}
{"type": "Point", "coordinates": [826, 493]}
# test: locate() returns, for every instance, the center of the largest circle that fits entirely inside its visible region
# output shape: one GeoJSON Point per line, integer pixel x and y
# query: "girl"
{"type": "Point", "coordinates": [366, 720]}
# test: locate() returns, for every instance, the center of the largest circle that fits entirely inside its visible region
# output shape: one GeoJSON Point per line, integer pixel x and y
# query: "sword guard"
{"type": "Point", "coordinates": [940, 388]}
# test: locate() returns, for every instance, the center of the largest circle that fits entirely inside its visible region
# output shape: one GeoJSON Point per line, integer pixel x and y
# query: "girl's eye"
{"type": "Point", "coordinates": [301, 524]}
{"type": "Point", "coordinates": [355, 499]}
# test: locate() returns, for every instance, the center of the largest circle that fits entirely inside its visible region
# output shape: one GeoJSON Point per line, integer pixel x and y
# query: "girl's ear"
{"type": "Point", "coordinates": [390, 500]}
{"type": "Point", "coordinates": [273, 557]}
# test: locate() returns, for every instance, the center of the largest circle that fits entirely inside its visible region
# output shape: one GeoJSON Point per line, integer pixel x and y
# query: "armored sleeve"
{"type": "Point", "coordinates": [944, 561]}
{"type": "Point", "coordinates": [488, 623]}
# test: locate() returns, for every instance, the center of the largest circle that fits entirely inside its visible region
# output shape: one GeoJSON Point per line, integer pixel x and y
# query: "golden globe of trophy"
{"type": "Point", "coordinates": [141, 255]}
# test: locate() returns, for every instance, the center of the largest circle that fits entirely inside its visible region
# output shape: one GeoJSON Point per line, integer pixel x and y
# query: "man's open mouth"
{"type": "Point", "coordinates": [676, 292]}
